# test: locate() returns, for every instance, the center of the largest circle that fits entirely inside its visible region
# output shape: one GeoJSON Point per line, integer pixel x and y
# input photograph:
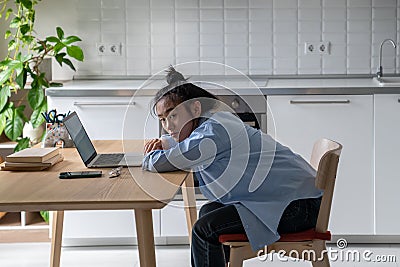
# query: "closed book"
{"type": "Point", "coordinates": [33, 154]}
{"type": "Point", "coordinates": [10, 166]}
{"type": "Point", "coordinates": [46, 163]}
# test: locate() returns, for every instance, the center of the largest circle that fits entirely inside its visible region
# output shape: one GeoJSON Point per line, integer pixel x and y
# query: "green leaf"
{"type": "Point", "coordinates": [5, 75]}
{"type": "Point", "coordinates": [59, 57]}
{"type": "Point", "coordinates": [36, 97]}
{"type": "Point", "coordinates": [22, 144]}
{"type": "Point", "coordinates": [36, 117]}
{"type": "Point", "coordinates": [7, 34]}
{"type": "Point", "coordinates": [27, 39]}
{"type": "Point", "coordinates": [14, 125]}
{"type": "Point", "coordinates": [8, 13]}
{"type": "Point", "coordinates": [8, 112]}
{"type": "Point", "coordinates": [27, 4]}
{"type": "Point", "coordinates": [20, 111]}
{"type": "Point", "coordinates": [2, 122]}
{"type": "Point", "coordinates": [53, 39]}
{"type": "Point", "coordinates": [58, 47]}
{"type": "Point", "coordinates": [5, 62]}
{"type": "Point", "coordinates": [71, 39]}
{"type": "Point", "coordinates": [69, 63]}
{"type": "Point", "coordinates": [54, 84]}
{"type": "Point", "coordinates": [12, 45]}
{"type": "Point", "coordinates": [24, 29]}
{"type": "Point", "coordinates": [60, 33]}
{"type": "Point", "coordinates": [75, 52]}
{"type": "Point", "coordinates": [21, 79]}
{"type": "Point", "coordinates": [15, 22]}
{"type": "Point", "coordinates": [45, 215]}
{"type": "Point", "coordinates": [5, 93]}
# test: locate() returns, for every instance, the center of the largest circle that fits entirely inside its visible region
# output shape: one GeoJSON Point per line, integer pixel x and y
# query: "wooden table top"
{"type": "Point", "coordinates": [133, 189]}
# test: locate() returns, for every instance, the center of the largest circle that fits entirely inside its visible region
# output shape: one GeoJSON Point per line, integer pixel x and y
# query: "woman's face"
{"type": "Point", "coordinates": [177, 120]}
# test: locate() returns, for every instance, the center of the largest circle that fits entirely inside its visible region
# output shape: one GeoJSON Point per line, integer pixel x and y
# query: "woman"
{"type": "Point", "coordinates": [255, 185]}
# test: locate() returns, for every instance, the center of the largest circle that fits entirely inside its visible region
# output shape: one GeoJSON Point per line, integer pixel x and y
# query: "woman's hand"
{"type": "Point", "coordinates": [153, 144]}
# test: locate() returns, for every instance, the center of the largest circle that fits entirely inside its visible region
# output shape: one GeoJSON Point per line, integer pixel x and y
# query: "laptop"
{"type": "Point", "coordinates": [88, 153]}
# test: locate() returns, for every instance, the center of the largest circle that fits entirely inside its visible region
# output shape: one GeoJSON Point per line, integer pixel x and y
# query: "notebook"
{"type": "Point", "coordinates": [88, 153]}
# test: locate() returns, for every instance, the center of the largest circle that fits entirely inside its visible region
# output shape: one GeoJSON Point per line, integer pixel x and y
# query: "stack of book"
{"type": "Point", "coordinates": [32, 159]}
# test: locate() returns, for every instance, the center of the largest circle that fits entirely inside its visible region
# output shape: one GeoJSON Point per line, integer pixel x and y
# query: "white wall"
{"type": "Point", "coordinates": [255, 36]}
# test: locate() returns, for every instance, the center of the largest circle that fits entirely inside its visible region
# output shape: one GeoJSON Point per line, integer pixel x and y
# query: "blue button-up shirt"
{"type": "Point", "coordinates": [237, 164]}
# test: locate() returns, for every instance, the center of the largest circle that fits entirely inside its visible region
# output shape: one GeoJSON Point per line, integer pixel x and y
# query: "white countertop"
{"type": "Point", "coordinates": [223, 86]}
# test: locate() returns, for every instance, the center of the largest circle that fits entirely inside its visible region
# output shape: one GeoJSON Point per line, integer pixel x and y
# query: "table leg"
{"type": "Point", "coordinates": [56, 238]}
{"type": "Point", "coordinates": [189, 201]}
{"type": "Point", "coordinates": [145, 236]}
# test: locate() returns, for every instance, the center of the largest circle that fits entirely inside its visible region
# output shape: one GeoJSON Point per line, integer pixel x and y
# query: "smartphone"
{"type": "Point", "coordinates": [85, 174]}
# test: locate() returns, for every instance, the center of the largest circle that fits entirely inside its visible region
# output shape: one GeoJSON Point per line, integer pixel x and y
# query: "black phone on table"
{"type": "Point", "coordinates": [84, 174]}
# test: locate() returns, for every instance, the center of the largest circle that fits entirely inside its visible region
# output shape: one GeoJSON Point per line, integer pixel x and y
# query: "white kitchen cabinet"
{"type": "Point", "coordinates": [298, 121]}
{"type": "Point", "coordinates": [173, 219]}
{"type": "Point", "coordinates": [111, 118]}
{"type": "Point", "coordinates": [107, 118]}
{"type": "Point", "coordinates": [387, 159]}
{"type": "Point", "coordinates": [111, 227]}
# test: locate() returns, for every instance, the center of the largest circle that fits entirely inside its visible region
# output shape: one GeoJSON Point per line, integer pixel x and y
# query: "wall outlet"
{"type": "Point", "coordinates": [309, 48]}
{"type": "Point", "coordinates": [324, 48]}
{"type": "Point", "coordinates": [109, 49]}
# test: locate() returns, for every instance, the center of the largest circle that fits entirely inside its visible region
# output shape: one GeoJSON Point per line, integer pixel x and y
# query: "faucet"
{"type": "Point", "coordinates": [379, 74]}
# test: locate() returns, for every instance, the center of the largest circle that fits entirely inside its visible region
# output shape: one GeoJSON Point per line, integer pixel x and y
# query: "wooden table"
{"type": "Point", "coordinates": [134, 189]}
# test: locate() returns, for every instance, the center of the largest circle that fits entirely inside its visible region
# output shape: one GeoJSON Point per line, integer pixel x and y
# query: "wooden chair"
{"type": "Point", "coordinates": [325, 159]}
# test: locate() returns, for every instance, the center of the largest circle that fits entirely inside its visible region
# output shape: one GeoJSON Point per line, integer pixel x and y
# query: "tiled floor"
{"type": "Point", "coordinates": [37, 255]}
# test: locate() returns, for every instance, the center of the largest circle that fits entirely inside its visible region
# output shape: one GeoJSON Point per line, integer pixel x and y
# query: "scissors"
{"type": "Point", "coordinates": [53, 117]}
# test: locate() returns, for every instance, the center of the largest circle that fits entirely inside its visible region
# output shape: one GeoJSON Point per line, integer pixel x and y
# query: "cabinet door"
{"type": "Point", "coordinates": [387, 159]}
{"type": "Point", "coordinates": [111, 118]}
{"type": "Point", "coordinates": [300, 120]}
{"type": "Point", "coordinates": [97, 227]}
{"type": "Point", "coordinates": [173, 219]}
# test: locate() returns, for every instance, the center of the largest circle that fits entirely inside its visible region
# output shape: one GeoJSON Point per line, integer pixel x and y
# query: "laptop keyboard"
{"type": "Point", "coordinates": [109, 159]}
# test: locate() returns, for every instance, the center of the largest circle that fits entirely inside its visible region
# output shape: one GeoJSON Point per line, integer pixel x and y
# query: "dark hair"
{"type": "Point", "coordinates": [179, 91]}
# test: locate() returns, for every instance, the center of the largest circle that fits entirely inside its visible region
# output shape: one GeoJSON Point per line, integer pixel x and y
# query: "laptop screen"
{"type": "Point", "coordinates": [80, 137]}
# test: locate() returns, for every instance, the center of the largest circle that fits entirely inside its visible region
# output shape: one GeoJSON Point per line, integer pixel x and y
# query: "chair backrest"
{"type": "Point", "coordinates": [325, 159]}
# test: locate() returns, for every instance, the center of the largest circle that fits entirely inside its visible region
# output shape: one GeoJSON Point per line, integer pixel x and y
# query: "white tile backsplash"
{"type": "Point", "coordinates": [236, 39]}
{"type": "Point", "coordinates": [310, 14]}
{"type": "Point", "coordinates": [211, 51]}
{"type": "Point", "coordinates": [211, 3]}
{"type": "Point", "coordinates": [212, 14]}
{"type": "Point", "coordinates": [335, 3]}
{"type": "Point", "coordinates": [334, 13]}
{"type": "Point", "coordinates": [254, 36]}
{"type": "Point", "coordinates": [187, 3]}
{"type": "Point", "coordinates": [383, 12]}
{"type": "Point", "coordinates": [187, 14]}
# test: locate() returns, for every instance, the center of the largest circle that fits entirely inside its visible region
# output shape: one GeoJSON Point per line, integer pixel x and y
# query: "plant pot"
{"type": "Point", "coordinates": [34, 134]}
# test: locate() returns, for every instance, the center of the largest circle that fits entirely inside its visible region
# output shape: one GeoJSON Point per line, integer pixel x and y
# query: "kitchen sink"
{"type": "Point", "coordinates": [388, 81]}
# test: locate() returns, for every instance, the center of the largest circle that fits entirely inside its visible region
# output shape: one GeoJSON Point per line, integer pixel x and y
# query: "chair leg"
{"type": "Point", "coordinates": [321, 251]}
{"type": "Point", "coordinates": [239, 254]}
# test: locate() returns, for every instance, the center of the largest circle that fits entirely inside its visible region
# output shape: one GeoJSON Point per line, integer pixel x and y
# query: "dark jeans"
{"type": "Point", "coordinates": [216, 219]}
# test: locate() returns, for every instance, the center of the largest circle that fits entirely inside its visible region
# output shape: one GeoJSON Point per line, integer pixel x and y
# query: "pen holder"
{"type": "Point", "coordinates": [57, 135]}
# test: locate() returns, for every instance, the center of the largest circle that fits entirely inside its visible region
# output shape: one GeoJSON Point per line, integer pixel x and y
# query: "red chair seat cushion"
{"type": "Point", "coordinates": [309, 234]}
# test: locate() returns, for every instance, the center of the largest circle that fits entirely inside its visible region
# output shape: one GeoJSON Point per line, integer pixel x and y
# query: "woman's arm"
{"type": "Point", "coordinates": [200, 148]}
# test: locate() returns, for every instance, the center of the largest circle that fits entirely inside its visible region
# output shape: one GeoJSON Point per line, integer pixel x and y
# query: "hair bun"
{"type": "Point", "coordinates": [174, 76]}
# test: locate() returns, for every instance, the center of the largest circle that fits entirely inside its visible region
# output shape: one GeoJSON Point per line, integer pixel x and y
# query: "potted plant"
{"type": "Point", "coordinates": [26, 54]}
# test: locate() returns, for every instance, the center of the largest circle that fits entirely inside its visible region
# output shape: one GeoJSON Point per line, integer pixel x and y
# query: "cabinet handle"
{"type": "Point", "coordinates": [398, 100]}
{"type": "Point", "coordinates": [104, 103]}
{"type": "Point", "coordinates": [320, 102]}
